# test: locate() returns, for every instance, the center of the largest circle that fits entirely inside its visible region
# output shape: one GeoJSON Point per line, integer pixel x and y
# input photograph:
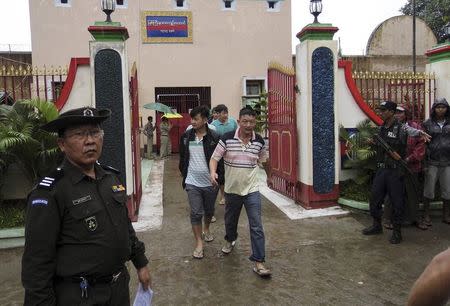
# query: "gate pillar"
{"type": "Point", "coordinates": [110, 89]}
{"type": "Point", "coordinates": [317, 126]}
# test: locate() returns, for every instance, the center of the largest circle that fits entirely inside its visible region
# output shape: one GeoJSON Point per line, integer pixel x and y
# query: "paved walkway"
{"type": "Point", "coordinates": [316, 261]}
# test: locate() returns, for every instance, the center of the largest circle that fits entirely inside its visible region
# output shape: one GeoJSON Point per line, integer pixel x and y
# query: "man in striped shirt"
{"type": "Point", "coordinates": [242, 151]}
{"type": "Point", "coordinates": [196, 148]}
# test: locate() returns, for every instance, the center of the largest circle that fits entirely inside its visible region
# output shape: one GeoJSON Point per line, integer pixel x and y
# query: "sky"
{"type": "Point", "coordinates": [356, 19]}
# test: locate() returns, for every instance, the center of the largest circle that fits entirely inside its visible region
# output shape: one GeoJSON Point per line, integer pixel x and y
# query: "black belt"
{"type": "Point", "coordinates": [384, 166]}
{"type": "Point", "coordinates": [92, 280]}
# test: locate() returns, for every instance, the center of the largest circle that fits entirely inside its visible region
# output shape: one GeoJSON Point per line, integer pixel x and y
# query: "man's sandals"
{"type": "Point", "coordinates": [262, 271]}
{"type": "Point", "coordinates": [197, 254]}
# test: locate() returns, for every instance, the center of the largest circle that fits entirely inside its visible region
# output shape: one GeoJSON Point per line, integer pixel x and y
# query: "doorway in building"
{"type": "Point", "coordinates": [181, 100]}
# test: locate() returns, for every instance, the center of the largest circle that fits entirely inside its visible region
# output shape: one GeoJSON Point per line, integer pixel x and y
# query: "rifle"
{"type": "Point", "coordinates": [397, 158]}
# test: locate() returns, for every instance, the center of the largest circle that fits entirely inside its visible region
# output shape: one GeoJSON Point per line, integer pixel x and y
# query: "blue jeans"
{"type": "Point", "coordinates": [252, 203]}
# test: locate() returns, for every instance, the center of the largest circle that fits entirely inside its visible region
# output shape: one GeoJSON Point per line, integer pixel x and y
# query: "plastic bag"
{"type": "Point", "coordinates": [143, 297]}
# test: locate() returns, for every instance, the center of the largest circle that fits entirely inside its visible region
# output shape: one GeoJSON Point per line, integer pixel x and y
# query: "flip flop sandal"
{"type": "Point", "coordinates": [197, 254]}
{"type": "Point", "coordinates": [207, 237]}
{"type": "Point", "coordinates": [263, 272]}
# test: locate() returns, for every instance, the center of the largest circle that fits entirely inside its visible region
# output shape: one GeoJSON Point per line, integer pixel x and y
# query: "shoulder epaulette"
{"type": "Point", "coordinates": [48, 182]}
{"type": "Point", "coordinates": [109, 168]}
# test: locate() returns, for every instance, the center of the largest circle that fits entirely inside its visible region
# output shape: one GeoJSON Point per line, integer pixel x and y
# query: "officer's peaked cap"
{"type": "Point", "coordinates": [83, 115]}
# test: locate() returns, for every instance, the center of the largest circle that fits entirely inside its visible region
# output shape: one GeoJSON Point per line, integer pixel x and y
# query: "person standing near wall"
{"type": "Point", "coordinates": [223, 124]}
{"type": "Point", "coordinates": [148, 131]}
{"type": "Point", "coordinates": [437, 161]}
{"type": "Point", "coordinates": [214, 115]}
{"type": "Point", "coordinates": [389, 179]}
{"type": "Point", "coordinates": [164, 128]}
{"type": "Point", "coordinates": [196, 148]}
{"type": "Point", "coordinates": [415, 152]}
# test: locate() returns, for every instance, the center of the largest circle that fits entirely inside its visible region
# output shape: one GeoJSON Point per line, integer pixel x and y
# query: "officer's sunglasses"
{"type": "Point", "coordinates": [81, 135]}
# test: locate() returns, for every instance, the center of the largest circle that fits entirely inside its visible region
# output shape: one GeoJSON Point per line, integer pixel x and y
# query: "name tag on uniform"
{"type": "Point", "coordinates": [118, 188]}
{"type": "Point", "coordinates": [81, 200]}
{"type": "Point", "coordinates": [391, 135]}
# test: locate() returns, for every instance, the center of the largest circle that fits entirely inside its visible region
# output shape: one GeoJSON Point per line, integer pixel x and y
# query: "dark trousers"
{"type": "Point", "coordinates": [252, 204]}
{"type": "Point", "coordinates": [411, 214]}
{"type": "Point", "coordinates": [388, 182]}
{"type": "Point", "coordinates": [68, 293]}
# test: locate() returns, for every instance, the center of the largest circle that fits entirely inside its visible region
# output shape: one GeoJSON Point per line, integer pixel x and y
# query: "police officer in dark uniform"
{"type": "Point", "coordinates": [389, 179]}
{"type": "Point", "coordinates": [78, 235]}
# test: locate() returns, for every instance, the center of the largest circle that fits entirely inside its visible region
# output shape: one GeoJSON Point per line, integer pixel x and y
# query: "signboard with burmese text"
{"type": "Point", "coordinates": [166, 27]}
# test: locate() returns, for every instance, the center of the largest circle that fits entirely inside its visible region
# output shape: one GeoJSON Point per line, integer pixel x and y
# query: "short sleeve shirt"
{"type": "Point", "coordinates": [241, 162]}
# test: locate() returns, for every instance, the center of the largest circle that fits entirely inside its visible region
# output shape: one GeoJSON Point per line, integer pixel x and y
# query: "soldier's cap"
{"type": "Point", "coordinates": [387, 105]}
{"type": "Point", "coordinates": [83, 115]}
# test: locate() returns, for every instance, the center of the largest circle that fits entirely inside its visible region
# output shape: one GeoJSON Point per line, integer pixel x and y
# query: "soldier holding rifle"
{"type": "Point", "coordinates": [390, 175]}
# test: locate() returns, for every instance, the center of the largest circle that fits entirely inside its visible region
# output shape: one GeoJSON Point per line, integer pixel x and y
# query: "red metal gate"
{"type": "Point", "coordinates": [283, 148]}
{"type": "Point", "coordinates": [133, 207]}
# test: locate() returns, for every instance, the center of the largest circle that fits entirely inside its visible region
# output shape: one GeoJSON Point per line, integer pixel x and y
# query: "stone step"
{"type": "Point", "coordinates": [12, 238]}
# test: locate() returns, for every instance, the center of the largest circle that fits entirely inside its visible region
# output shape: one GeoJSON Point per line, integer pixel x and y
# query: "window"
{"type": "Point", "coordinates": [273, 5]}
{"type": "Point", "coordinates": [121, 4]}
{"type": "Point", "coordinates": [229, 5]}
{"type": "Point", "coordinates": [252, 89]}
{"type": "Point", "coordinates": [180, 4]}
{"type": "Point", "coordinates": [63, 3]}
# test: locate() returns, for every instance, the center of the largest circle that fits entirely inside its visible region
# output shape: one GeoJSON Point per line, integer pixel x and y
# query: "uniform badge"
{"type": "Point", "coordinates": [81, 200]}
{"type": "Point", "coordinates": [118, 188]}
{"type": "Point", "coordinates": [39, 202]}
{"type": "Point", "coordinates": [88, 113]}
{"type": "Point", "coordinates": [91, 223]}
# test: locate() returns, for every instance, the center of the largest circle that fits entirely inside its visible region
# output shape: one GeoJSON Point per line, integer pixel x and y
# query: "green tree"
{"type": "Point", "coordinates": [436, 13]}
{"type": "Point", "coordinates": [23, 142]}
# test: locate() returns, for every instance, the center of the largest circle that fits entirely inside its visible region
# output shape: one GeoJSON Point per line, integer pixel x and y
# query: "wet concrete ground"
{"type": "Point", "coordinates": [321, 261]}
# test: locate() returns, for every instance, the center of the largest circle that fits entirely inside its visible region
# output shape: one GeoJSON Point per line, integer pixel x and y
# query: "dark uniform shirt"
{"type": "Point", "coordinates": [396, 137]}
{"type": "Point", "coordinates": [76, 226]}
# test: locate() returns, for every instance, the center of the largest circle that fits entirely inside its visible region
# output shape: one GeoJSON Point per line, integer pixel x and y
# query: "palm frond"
{"type": "Point", "coordinates": [47, 111]}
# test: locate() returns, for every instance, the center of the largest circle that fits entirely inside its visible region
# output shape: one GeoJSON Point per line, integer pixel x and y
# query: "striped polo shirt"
{"type": "Point", "coordinates": [241, 162]}
{"type": "Point", "coordinates": [198, 171]}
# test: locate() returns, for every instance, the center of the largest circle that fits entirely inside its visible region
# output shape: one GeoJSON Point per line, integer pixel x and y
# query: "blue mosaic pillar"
{"type": "Point", "coordinates": [323, 120]}
{"type": "Point", "coordinates": [316, 68]}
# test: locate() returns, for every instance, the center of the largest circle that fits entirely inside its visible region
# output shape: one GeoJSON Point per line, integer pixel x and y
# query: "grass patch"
{"type": "Point", "coordinates": [12, 213]}
{"type": "Point", "coordinates": [352, 191]}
